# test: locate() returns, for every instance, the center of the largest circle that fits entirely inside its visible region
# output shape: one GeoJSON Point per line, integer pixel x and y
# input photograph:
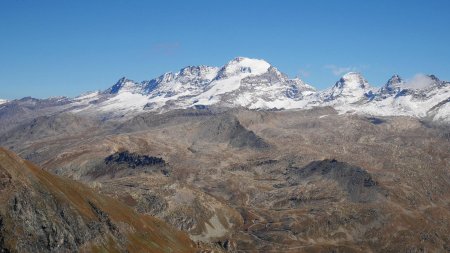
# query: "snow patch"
{"type": "Point", "coordinates": [124, 101]}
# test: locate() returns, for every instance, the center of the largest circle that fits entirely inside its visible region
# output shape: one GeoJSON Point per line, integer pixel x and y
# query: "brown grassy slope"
{"type": "Point", "coordinates": [250, 190]}
{"type": "Point", "coordinates": [39, 211]}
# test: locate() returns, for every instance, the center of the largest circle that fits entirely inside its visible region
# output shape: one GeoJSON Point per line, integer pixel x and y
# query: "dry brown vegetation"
{"type": "Point", "coordinates": [247, 181]}
{"type": "Point", "coordinates": [61, 203]}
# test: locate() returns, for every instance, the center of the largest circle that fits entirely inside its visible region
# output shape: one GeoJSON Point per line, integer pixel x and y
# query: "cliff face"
{"type": "Point", "coordinates": [41, 212]}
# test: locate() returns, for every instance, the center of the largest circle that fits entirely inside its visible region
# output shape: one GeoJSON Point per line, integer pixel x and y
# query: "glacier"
{"type": "Point", "coordinates": [255, 84]}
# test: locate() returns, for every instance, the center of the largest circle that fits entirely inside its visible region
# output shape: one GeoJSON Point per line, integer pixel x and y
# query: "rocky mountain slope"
{"type": "Point", "coordinates": [41, 212]}
{"type": "Point", "coordinates": [242, 158]}
{"type": "Point", "coordinates": [265, 181]}
{"type": "Point", "coordinates": [253, 84]}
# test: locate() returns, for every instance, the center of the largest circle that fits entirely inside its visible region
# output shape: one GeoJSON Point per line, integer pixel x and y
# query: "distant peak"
{"type": "Point", "coordinates": [393, 85]}
{"type": "Point", "coordinates": [394, 80]}
{"type": "Point", "coordinates": [421, 81]}
{"type": "Point", "coordinates": [239, 58]}
{"type": "Point", "coordinates": [351, 75]}
{"type": "Point", "coordinates": [166, 77]}
{"type": "Point", "coordinates": [353, 80]}
{"type": "Point", "coordinates": [438, 82]}
{"type": "Point", "coordinates": [242, 58]}
{"type": "Point", "coordinates": [120, 85]}
{"type": "Point", "coordinates": [197, 70]}
{"type": "Point", "coordinates": [434, 78]}
{"type": "Point", "coordinates": [247, 60]}
{"type": "Point", "coordinates": [245, 65]}
{"type": "Point", "coordinates": [122, 79]}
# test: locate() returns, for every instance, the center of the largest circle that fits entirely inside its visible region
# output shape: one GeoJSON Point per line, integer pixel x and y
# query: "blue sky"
{"type": "Point", "coordinates": [51, 48]}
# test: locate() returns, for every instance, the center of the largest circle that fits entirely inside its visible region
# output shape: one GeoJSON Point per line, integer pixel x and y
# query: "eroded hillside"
{"type": "Point", "coordinates": [40, 212]}
{"type": "Point", "coordinates": [266, 181]}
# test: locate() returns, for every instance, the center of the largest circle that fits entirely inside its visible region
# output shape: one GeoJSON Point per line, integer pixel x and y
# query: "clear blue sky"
{"type": "Point", "coordinates": [50, 48]}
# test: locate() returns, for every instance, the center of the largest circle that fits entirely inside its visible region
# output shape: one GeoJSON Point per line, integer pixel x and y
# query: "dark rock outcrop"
{"type": "Point", "coordinates": [125, 162]}
{"type": "Point", "coordinates": [356, 182]}
{"type": "Point", "coordinates": [133, 160]}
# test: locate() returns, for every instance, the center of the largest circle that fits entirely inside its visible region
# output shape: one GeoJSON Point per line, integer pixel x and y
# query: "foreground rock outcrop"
{"type": "Point", "coordinates": [41, 212]}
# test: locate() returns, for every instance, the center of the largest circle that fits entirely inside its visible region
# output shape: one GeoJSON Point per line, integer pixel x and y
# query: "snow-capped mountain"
{"type": "Point", "coordinates": [245, 82]}
{"type": "Point", "coordinates": [392, 86]}
{"type": "Point", "coordinates": [188, 82]}
{"type": "Point", "coordinates": [351, 88]}
{"type": "Point", "coordinates": [255, 84]}
{"type": "Point", "coordinates": [397, 97]}
{"type": "Point", "coordinates": [124, 85]}
{"type": "Point", "coordinates": [2, 101]}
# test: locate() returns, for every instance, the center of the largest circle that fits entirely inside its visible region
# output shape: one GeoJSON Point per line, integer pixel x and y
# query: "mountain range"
{"type": "Point", "coordinates": [239, 158]}
{"type": "Point", "coordinates": [255, 84]}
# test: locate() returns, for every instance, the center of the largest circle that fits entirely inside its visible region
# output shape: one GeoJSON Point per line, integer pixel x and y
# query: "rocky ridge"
{"type": "Point", "coordinates": [40, 212]}
{"type": "Point", "coordinates": [253, 84]}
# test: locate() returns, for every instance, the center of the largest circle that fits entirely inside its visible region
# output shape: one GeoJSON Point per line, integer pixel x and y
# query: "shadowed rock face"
{"type": "Point", "coordinates": [376, 121]}
{"type": "Point", "coordinates": [357, 182]}
{"type": "Point", "coordinates": [241, 137]}
{"type": "Point", "coordinates": [227, 128]}
{"type": "Point", "coordinates": [40, 212]}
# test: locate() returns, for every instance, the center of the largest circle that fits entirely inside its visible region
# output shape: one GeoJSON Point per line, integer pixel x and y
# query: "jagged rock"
{"type": "Point", "coordinates": [124, 162]}
{"type": "Point", "coordinates": [133, 160]}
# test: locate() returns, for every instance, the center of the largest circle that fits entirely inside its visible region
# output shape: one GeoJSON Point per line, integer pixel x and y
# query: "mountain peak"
{"type": "Point", "coordinates": [350, 88]}
{"type": "Point", "coordinates": [434, 78]}
{"type": "Point", "coordinates": [246, 66]}
{"type": "Point", "coordinates": [242, 58]}
{"type": "Point", "coordinates": [352, 80]}
{"type": "Point", "coordinates": [394, 81]}
{"type": "Point", "coordinates": [201, 71]}
{"type": "Point", "coordinates": [350, 74]}
{"type": "Point", "coordinates": [166, 77]}
{"type": "Point", "coordinates": [435, 81]}
{"type": "Point", "coordinates": [123, 84]}
{"type": "Point", "coordinates": [393, 85]}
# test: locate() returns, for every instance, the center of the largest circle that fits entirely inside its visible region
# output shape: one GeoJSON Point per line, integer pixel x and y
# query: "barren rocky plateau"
{"type": "Point", "coordinates": [239, 180]}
